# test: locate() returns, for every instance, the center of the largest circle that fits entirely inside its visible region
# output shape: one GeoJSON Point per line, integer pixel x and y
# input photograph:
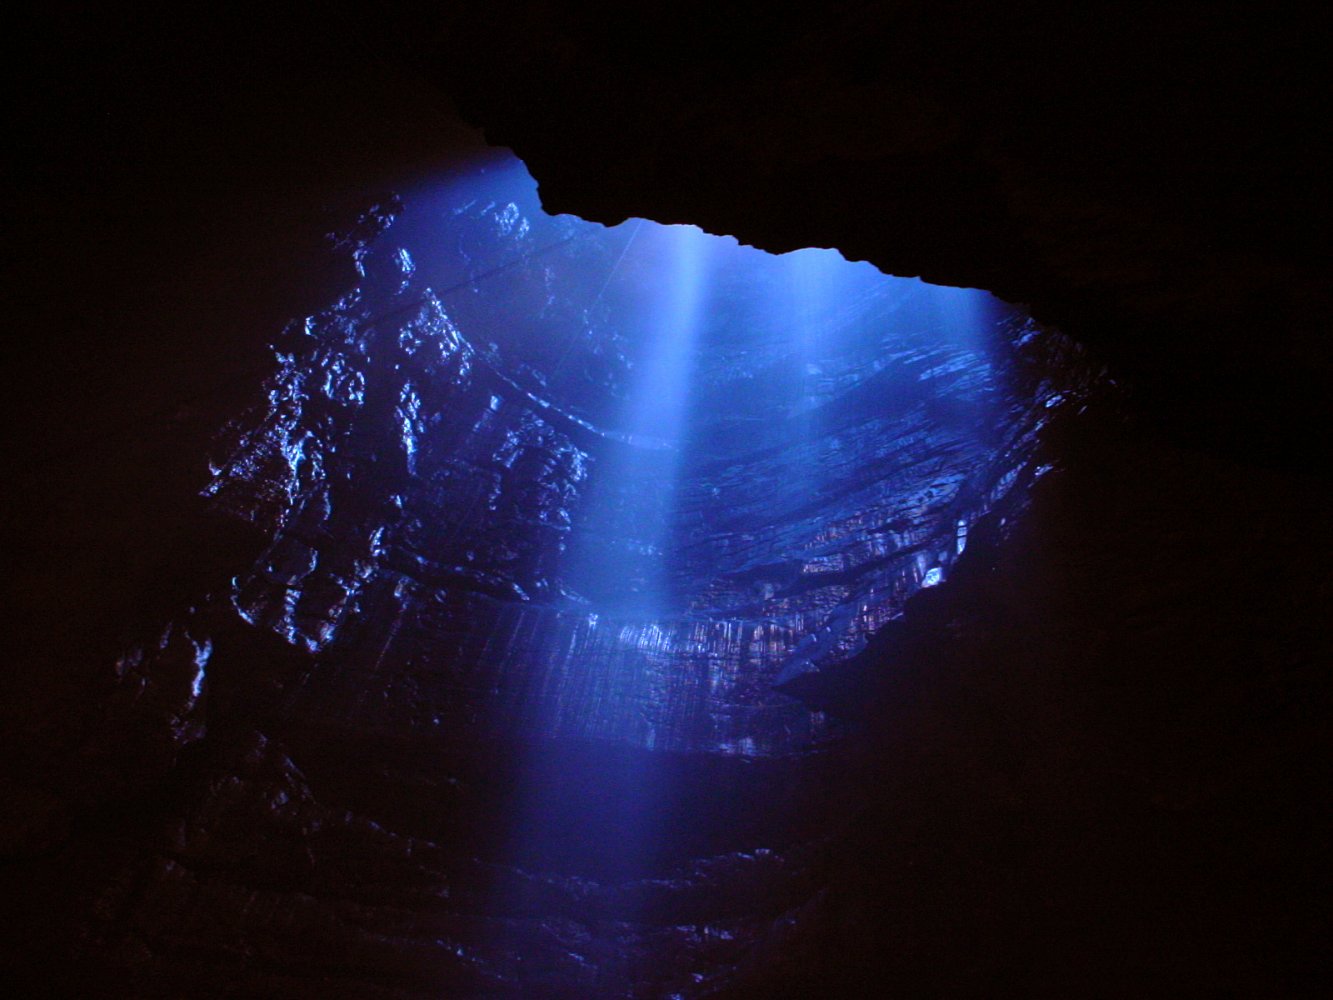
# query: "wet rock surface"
{"type": "Point", "coordinates": [441, 725]}
{"type": "Point", "coordinates": [1090, 761]}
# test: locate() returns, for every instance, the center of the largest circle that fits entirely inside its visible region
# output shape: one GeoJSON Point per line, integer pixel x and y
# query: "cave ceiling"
{"type": "Point", "coordinates": [1154, 181]}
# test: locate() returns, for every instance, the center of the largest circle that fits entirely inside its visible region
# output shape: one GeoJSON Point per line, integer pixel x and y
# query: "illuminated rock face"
{"type": "Point", "coordinates": [468, 505]}
{"type": "Point", "coordinates": [1096, 754]}
{"type": "Point", "coordinates": [539, 591]}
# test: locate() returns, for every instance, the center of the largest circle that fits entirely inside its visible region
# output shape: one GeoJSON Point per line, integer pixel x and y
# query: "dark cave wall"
{"type": "Point", "coordinates": [1096, 751]}
{"type": "Point", "coordinates": [1096, 763]}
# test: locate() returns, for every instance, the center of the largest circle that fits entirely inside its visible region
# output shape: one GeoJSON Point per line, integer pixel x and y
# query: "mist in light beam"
{"type": "Point", "coordinates": [660, 397]}
{"type": "Point", "coordinates": [622, 556]}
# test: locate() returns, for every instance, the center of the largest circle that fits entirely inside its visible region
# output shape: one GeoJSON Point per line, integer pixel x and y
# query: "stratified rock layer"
{"type": "Point", "coordinates": [443, 726]}
{"type": "Point", "coordinates": [1093, 761]}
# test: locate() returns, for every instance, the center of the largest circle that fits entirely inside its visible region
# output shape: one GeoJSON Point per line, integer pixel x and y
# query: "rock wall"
{"type": "Point", "coordinates": [1091, 761]}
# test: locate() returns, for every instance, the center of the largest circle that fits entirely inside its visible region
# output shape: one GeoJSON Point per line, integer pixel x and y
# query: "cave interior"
{"type": "Point", "coordinates": [514, 503]}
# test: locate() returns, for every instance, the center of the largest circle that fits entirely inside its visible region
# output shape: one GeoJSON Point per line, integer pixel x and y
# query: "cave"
{"type": "Point", "coordinates": [513, 504]}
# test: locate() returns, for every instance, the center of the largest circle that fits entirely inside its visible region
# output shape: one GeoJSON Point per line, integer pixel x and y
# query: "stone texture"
{"type": "Point", "coordinates": [1092, 761]}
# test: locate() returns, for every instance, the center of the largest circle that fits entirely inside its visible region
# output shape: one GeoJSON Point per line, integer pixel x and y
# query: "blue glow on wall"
{"type": "Point", "coordinates": [682, 470]}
